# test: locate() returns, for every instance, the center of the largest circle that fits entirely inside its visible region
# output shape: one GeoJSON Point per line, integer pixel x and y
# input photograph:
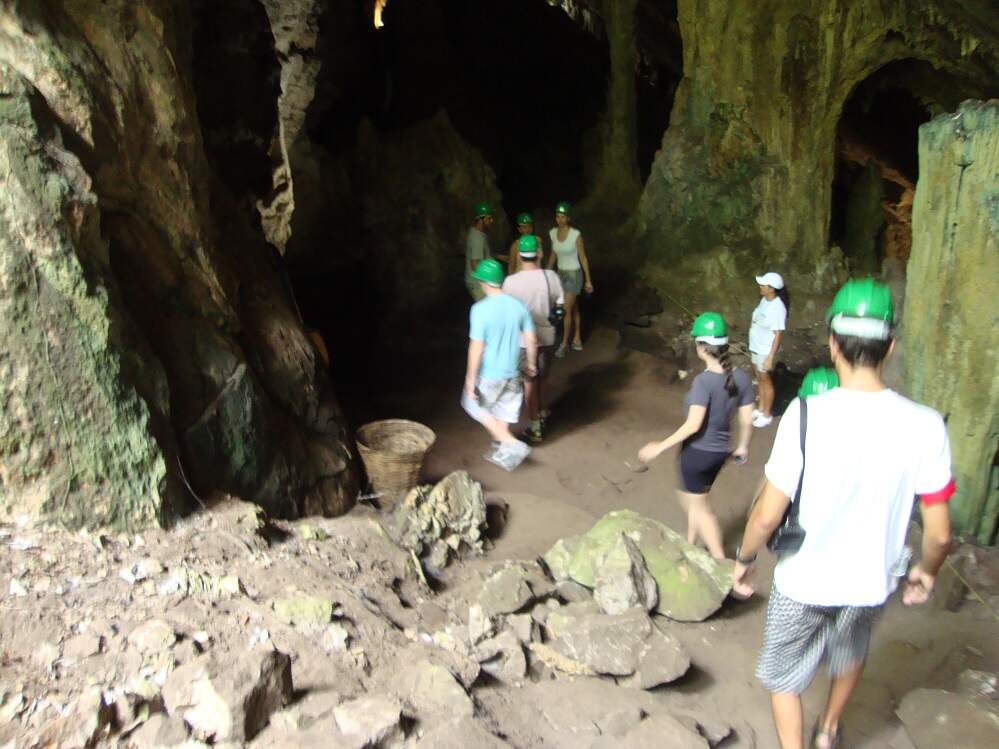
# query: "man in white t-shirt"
{"type": "Point", "coordinates": [541, 291]}
{"type": "Point", "coordinates": [868, 453]}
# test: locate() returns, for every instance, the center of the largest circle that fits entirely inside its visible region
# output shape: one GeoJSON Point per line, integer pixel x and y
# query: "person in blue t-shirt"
{"type": "Point", "coordinates": [498, 325]}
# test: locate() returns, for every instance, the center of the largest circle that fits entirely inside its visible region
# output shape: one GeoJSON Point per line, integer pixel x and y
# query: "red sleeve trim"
{"type": "Point", "coordinates": [943, 495]}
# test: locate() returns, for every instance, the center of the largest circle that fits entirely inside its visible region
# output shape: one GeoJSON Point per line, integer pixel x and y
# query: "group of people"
{"type": "Point", "coordinates": [870, 454]}
{"type": "Point", "coordinates": [513, 331]}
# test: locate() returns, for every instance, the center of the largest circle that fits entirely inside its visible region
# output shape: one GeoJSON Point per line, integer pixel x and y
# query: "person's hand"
{"type": "Point", "coordinates": [588, 287]}
{"type": "Point", "coordinates": [740, 455]}
{"type": "Point", "coordinates": [532, 370]}
{"type": "Point", "coordinates": [768, 363]}
{"type": "Point", "coordinates": [470, 390]}
{"type": "Point", "coordinates": [916, 589]}
{"type": "Point", "coordinates": [650, 452]}
{"type": "Point", "coordinates": [741, 587]}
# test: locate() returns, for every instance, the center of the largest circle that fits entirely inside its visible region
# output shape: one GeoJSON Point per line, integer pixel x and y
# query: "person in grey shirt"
{"type": "Point", "coordinates": [477, 247]}
{"type": "Point", "coordinates": [714, 395]}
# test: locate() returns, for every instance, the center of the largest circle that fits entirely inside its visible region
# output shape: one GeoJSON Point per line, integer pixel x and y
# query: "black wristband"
{"type": "Point", "coordinates": [740, 560]}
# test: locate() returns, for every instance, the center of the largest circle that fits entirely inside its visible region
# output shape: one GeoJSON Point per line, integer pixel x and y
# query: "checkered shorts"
{"type": "Point", "coordinates": [799, 637]}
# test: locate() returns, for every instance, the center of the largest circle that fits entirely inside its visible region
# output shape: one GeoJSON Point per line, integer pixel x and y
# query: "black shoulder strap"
{"type": "Point", "coordinates": [803, 420]}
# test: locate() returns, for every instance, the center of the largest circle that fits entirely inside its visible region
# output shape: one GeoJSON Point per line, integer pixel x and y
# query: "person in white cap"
{"type": "Point", "coordinates": [765, 333]}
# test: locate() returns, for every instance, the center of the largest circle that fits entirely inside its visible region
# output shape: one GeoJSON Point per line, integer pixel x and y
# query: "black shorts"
{"type": "Point", "coordinates": [699, 468]}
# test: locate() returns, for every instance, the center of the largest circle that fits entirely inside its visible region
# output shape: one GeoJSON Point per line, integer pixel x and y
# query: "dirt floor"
{"type": "Point", "coordinates": [606, 402]}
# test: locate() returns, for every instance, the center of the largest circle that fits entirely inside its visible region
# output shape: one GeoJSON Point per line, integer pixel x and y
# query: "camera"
{"type": "Point", "coordinates": [556, 315]}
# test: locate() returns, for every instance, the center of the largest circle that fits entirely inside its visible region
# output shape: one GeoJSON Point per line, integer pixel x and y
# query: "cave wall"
{"type": "Point", "coordinates": [743, 181]}
{"type": "Point", "coordinates": [145, 326]}
{"type": "Point", "coordinates": [951, 357]}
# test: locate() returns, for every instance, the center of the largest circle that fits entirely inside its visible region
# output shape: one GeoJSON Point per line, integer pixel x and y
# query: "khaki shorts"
{"type": "Point", "coordinates": [501, 399]}
{"type": "Point", "coordinates": [759, 361]}
{"type": "Point", "coordinates": [544, 362]}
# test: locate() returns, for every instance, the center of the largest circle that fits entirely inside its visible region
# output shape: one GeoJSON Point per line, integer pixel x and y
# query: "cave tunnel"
{"type": "Point", "coordinates": [877, 163]}
{"type": "Point", "coordinates": [521, 81]}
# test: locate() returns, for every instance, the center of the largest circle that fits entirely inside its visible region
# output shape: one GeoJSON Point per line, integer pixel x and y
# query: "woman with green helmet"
{"type": "Point", "coordinates": [714, 395]}
{"type": "Point", "coordinates": [574, 273]}
{"type": "Point", "coordinates": [525, 227]}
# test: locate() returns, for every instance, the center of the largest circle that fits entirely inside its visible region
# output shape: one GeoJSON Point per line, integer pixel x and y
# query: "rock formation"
{"type": "Point", "coordinates": [145, 325]}
{"type": "Point", "coordinates": [953, 281]}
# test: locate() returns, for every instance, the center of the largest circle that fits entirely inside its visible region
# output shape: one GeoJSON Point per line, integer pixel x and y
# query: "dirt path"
{"type": "Point", "coordinates": [607, 402]}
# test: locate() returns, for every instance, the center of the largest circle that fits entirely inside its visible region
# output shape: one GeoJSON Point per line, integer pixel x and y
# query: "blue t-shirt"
{"type": "Point", "coordinates": [499, 320]}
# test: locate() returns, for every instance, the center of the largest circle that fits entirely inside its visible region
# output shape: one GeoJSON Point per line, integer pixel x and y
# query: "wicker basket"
{"type": "Point", "coordinates": [393, 452]}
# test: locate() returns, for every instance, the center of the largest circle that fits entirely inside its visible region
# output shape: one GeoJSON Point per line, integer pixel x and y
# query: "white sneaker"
{"type": "Point", "coordinates": [511, 454]}
{"type": "Point", "coordinates": [762, 421]}
{"type": "Point", "coordinates": [756, 413]}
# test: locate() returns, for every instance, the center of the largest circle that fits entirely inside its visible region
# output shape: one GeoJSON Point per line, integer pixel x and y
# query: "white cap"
{"type": "Point", "coordinates": [771, 279]}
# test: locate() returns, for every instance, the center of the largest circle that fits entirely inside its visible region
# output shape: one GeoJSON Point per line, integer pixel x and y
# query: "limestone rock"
{"type": "Point", "coordinates": [159, 732]}
{"type": "Point", "coordinates": [622, 580]}
{"type": "Point", "coordinates": [229, 701]}
{"type": "Point", "coordinates": [691, 584]}
{"type": "Point", "coordinates": [82, 646]}
{"type": "Point", "coordinates": [935, 718]}
{"type": "Point", "coordinates": [625, 645]}
{"type": "Point", "coordinates": [979, 683]}
{"type": "Point", "coordinates": [655, 732]}
{"type": "Point", "coordinates": [153, 636]}
{"type": "Point", "coordinates": [509, 589]}
{"type": "Point", "coordinates": [436, 522]}
{"type": "Point", "coordinates": [432, 690]}
{"type": "Point", "coordinates": [559, 557]}
{"type": "Point", "coordinates": [462, 734]}
{"type": "Point", "coordinates": [309, 612]}
{"type": "Point", "coordinates": [503, 657]}
{"type": "Point", "coordinates": [90, 722]}
{"type": "Point", "coordinates": [373, 721]}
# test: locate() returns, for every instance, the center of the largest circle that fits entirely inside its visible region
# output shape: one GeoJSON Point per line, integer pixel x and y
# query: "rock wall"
{"type": "Point", "coordinates": [950, 318]}
{"type": "Point", "coordinates": [744, 178]}
{"type": "Point", "coordinates": [145, 325]}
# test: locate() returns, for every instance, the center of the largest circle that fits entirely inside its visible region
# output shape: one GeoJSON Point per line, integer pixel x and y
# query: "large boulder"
{"type": "Point", "coordinates": [691, 584]}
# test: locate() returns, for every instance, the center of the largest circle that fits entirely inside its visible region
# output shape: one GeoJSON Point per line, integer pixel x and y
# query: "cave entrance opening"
{"type": "Point", "coordinates": [877, 166]}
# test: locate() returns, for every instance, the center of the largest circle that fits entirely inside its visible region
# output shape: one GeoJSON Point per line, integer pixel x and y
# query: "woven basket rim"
{"type": "Point", "coordinates": [427, 434]}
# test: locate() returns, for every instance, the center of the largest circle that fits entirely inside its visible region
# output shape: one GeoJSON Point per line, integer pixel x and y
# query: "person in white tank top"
{"type": "Point", "coordinates": [574, 273]}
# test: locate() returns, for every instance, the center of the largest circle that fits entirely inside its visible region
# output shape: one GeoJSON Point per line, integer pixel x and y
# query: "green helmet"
{"type": "Point", "coordinates": [489, 271]}
{"type": "Point", "coordinates": [710, 328]}
{"type": "Point", "coordinates": [818, 381]}
{"type": "Point", "coordinates": [527, 246]}
{"type": "Point", "coordinates": [524, 219]}
{"type": "Point", "coordinates": [862, 308]}
{"type": "Point", "coordinates": [563, 207]}
{"type": "Point", "coordinates": [482, 210]}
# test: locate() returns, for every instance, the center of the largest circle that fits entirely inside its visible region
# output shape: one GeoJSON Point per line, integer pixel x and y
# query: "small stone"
{"type": "Point", "coordinates": [523, 626]}
{"type": "Point", "coordinates": [153, 636]}
{"type": "Point", "coordinates": [159, 731]}
{"type": "Point", "coordinates": [17, 588]}
{"type": "Point", "coordinates": [374, 720]}
{"type": "Point", "coordinates": [309, 532]}
{"type": "Point", "coordinates": [310, 612]}
{"type": "Point", "coordinates": [480, 626]}
{"type": "Point", "coordinates": [82, 646]}
{"type": "Point", "coordinates": [335, 638]}
{"type": "Point", "coordinates": [433, 690]}
{"type": "Point", "coordinates": [92, 720]}
{"type": "Point", "coordinates": [462, 734]}
{"type": "Point", "coordinates": [572, 592]}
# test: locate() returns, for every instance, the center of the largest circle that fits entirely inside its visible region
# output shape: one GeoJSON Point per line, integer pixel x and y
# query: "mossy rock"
{"type": "Point", "coordinates": [692, 585]}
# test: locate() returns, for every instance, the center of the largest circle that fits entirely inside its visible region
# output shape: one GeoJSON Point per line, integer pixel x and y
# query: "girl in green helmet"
{"type": "Point", "coordinates": [714, 395]}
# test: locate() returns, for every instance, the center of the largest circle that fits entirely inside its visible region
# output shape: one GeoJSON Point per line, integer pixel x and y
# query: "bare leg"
{"type": "Point", "coordinates": [499, 430]}
{"type": "Point", "coordinates": [532, 396]}
{"type": "Point", "coordinates": [578, 326]}
{"type": "Point", "coordinates": [702, 523]}
{"type": "Point", "coordinates": [570, 306]}
{"type": "Point", "coordinates": [766, 388]}
{"type": "Point", "coordinates": [786, 707]}
{"type": "Point", "coordinates": [840, 690]}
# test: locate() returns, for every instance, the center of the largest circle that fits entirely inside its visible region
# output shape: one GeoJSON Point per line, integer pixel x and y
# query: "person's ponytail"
{"type": "Point", "coordinates": [785, 297]}
{"type": "Point", "coordinates": [724, 357]}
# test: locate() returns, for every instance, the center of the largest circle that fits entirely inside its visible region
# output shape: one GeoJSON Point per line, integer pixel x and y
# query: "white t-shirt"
{"type": "Point", "coordinates": [529, 287]}
{"type": "Point", "coordinates": [476, 249]}
{"type": "Point", "coordinates": [769, 317]}
{"type": "Point", "coordinates": [565, 251]}
{"type": "Point", "coordinates": [868, 455]}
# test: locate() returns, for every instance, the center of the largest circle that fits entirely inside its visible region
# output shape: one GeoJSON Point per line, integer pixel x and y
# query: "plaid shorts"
{"type": "Point", "coordinates": [798, 638]}
{"type": "Point", "coordinates": [501, 399]}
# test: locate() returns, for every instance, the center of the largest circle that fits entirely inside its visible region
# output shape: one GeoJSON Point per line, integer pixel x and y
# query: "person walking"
{"type": "Point", "coordinates": [541, 292]}
{"type": "Point", "coordinates": [868, 453]}
{"type": "Point", "coordinates": [494, 391]}
{"type": "Point", "coordinates": [525, 228]}
{"type": "Point", "coordinates": [477, 247]}
{"type": "Point", "coordinates": [714, 395]}
{"type": "Point", "coordinates": [569, 253]}
{"type": "Point", "coordinates": [765, 333]}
